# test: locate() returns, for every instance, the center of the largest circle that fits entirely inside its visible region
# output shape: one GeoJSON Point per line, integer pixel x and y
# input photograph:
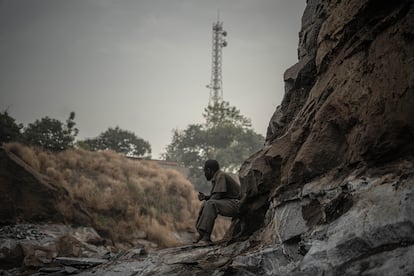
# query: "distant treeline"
{"type": "Point", "coordinates": [52, 134]}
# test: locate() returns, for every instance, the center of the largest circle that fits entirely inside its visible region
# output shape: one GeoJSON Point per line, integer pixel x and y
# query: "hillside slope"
{"type": "Point", "coordinates": [121, 198]}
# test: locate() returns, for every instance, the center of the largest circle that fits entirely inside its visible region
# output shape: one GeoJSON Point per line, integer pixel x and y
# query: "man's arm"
{"type": "Point", "coordinates": [202, 196]}
{"type": "Point", "coordinates": [217, 196]}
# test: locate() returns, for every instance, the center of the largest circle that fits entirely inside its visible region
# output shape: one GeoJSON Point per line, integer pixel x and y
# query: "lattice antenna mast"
{"type": "Point", "coordinates": [216, 83]}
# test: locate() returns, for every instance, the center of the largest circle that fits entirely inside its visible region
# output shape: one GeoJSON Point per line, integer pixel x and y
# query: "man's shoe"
{"type": "Point", "coordinates": [204, 242]}
{"type": "Point", "coordinates": [202, 236]}
{"type": "Point", "coordinates": [198, 239]}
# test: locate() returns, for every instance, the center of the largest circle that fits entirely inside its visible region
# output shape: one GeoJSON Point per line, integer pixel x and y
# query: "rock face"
{"type": "Point", "coordinates": [332, 191]}
{"type": "Point", "coordinates": [335, 178]}
{"type": "Point", "coordinates": [348, 101]}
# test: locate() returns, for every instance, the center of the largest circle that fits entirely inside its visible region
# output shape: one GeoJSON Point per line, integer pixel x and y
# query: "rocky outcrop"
{"type": "Point", "coordinates": [335, 177]}
{"type": "Point", "coordinates": [353, 99]}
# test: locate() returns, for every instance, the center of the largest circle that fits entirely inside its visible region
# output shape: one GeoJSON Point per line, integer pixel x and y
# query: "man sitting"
{"type": "Point", "coordinates": [224, 199]}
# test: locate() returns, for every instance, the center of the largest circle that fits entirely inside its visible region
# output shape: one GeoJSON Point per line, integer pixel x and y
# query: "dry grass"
{"type": "Point", "coordinates": [121, 194]}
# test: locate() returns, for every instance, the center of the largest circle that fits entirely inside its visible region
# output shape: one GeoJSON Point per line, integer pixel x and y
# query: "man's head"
{"type": "Point", "coordinates": [210, 168]}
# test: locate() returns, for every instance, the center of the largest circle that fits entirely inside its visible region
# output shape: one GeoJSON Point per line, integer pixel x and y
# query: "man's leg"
{"type": "Point", "coordinates": [209, 212]}
{"type": "Point", "coordinates": [199, 214]}
{"type": "Point", "coordinates": [205, 221]}
{"type": "Point", "coordinates": [200, 232]}
{"type": "Point", "coordinates": [227, 207]}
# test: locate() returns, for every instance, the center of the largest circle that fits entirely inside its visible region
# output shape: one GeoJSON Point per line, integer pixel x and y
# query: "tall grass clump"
{"type": "Point", "coordinates": [122, 195]}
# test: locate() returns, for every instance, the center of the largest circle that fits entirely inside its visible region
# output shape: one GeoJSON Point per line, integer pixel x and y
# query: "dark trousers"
{"type": "Point", "coordinates": [213, 207]}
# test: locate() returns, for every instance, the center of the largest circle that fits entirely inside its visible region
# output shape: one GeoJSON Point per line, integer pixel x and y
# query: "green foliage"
{"type": "Point", "coordinates": [51, 134]}
{"type": "Point", "coordinates": [226, 136]}
{"type": "Point", "coordinates": [221, 113]}
{"type": "Point", "coordinates": [119, 140]}
{"type": "Point", "coordinates": [9, 130]}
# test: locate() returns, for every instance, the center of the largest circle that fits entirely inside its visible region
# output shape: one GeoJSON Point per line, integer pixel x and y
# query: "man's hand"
{"type": "Point", "coordinates": [202, 196]}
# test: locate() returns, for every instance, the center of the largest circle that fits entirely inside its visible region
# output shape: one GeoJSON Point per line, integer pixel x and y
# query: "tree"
{"type": "Point", "coordinates": [221, 113]}
{"type": "Point", "coordinates": [51, 134]}
{"type": "Point", "coordinates": [226, 136]}
{"type": "Point", "coordinates": [119, 140]}
{"type": "Point", "coordinates": [9, 129]}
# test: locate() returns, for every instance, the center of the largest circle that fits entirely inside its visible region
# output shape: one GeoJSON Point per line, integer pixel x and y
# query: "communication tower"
{"type": "Point", "coordinates": [216, 83]}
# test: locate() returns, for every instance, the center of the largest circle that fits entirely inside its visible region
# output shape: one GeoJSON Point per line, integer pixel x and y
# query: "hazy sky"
{"type": "Point", "coordinates": [142, 65]}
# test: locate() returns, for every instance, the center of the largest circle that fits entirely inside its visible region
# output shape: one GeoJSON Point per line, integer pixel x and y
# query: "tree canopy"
{"type": "Point", "coordinates": [9, 129]}
{"type": "Point", "coordinates": [221, 113]}
{"type": "Point", "coordinates": [226, 136]}
{"type": "Point", "coordinates": [51, 134]}
{"type": "Point", "coordinates": [119, 140]}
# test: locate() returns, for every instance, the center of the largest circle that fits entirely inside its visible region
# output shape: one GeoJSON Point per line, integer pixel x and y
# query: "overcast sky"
{"type": "Point", "coordinates": [142, 65]}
